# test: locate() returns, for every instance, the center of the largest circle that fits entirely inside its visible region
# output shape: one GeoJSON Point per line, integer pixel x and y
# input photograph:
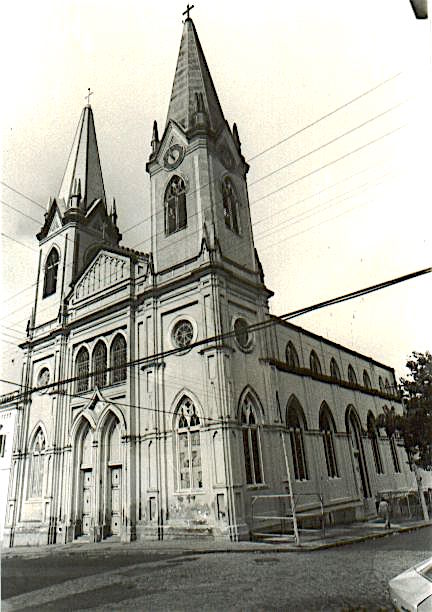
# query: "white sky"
{"type": "Point", "coordinates": [277, 66]}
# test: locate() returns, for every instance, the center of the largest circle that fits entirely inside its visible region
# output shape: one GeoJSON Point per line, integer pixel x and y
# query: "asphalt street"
{"type": "Point", "coordinates": [121, 578]}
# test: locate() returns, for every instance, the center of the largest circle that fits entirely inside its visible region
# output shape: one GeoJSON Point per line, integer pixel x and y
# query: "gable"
{"type": "Point", "coordinates": [106, 270]}
{"type": "Point", "coordinates": [55, 223]}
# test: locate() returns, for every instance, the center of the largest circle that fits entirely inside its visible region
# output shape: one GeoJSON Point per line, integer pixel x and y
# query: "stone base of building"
{"type": "Point", "coordinates": [26, 535]}
{"type": "Point", "coordinates": [177, 530]}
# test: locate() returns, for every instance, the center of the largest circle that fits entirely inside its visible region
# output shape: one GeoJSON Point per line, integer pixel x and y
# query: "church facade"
{"type": "Point", "coordinates": [160, 398]}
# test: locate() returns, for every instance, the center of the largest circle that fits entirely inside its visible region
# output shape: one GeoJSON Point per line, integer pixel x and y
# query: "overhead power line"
{"type": "Point", "coordinates": [20, 243]}
{"type": "Point", "coordinates": [293, 135]}
{"type": "Point", "coordinates": [339, 108]}
{"type": "Point", "coordinates": [20, 212]}
{"type": "Point", "coordinates": [260, 325]}
{"type": "Point", "coordinates": [23, 195]}
{"type": "Point", "coordinates": [251, 204]}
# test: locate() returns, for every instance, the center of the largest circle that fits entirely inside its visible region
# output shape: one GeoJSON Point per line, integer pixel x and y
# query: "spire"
{"type": "Point", "coordinates": [193, 92]}
{"type": "Point", "coordinates": [155, 138]}
{"type": "Point", "coordinates": [114, 212]}
{"type": "Point", "coordinates": [83, 175]}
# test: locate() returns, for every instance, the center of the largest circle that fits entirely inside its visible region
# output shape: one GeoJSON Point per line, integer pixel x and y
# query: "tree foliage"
{"type": "Point", "coordinates": [416, 424]}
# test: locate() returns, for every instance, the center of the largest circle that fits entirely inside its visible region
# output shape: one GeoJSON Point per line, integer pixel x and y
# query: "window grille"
{"type": "Point", "coordinates": [118, 359]}
{"type": "Point", "coordinates": [366, 380]}
{"type": "Point", "coordinates": [394, 454]}
{"type": "Point", "coordinates": [175, 206]}
{"type": "Point", "coordinates": [314, 363]}
{"type": "Point", "coordinates": [334, 369]}
{"type": "Point", "coordinates": [373, 437]}
{"type": "Point", "coordinates": [37, 465]}
{"type": "Point", "coordinates": [327, 430]}
{"type": "Point", "coordinates": [352, 378]}
{"type": "Point", "coordinates": [51, 269]}
{"type": "Point", "coordinates": [295, 424]}
{"type": "Point", "coordinates": [291, 356]}
{"type": "Point", "coordinates": [230, 206]}
{"type": "Point", "coordinates": [100, 364]}
{"type": "Point", "coordinates": [82, 370]}
{"type": "Point", "coordinates": [251, 443]}
{"type": "Point", "coordinates": [189, 448]}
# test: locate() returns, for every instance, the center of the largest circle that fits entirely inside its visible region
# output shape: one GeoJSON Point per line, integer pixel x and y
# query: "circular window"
{"type": "Point", "coordinates": [43, 377]}
{"type": "Point", "coordinates": [241, 333]}
{"type": "Point", "coordinates": [183, 333]}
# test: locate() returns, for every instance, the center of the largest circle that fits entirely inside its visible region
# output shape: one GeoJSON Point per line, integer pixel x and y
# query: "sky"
{"type": "Point", "coordinates": [340, 94]}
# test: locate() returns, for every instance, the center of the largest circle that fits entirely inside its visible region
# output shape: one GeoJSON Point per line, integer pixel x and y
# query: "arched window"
{"type": "Point", "coordinates": [36, 465]}
{"type": "Point", "coordinates": [100, 364]}
{"type": "Point", "coordinates": [188, 447]}
{"type": "Point", "coordinates": [291, 356]}
{"type": "Point", "coordinates": [373, 437]}
{"type": "Point", "coordinates": [82, 370]}
{"type": "Point", "coordinates": [51, 269]}
{"type": "Point", "coordinates": [387, 387]}
{"type": "Point", "coordinates": [381, 384]}
{"type": "Point", "coordinates": [327, 428]}
{"type": "Point", "coordinates": [315, 364]}
{"type": "Point", "coordinates": [354, 431]}
{"type": "Point", "coordinates": [175, 206]}
{"type": "Point", "coordinates": [230, 206]}
{"type": "Point", "coordinates": [394, 454]}
{"type": "Point", "coordinates": [334, 369]}
{"type": "Point", "coordinates": [366, 380]}
{"type": "Point", "coordinates": [118, 359]}
{"type": "Point", "coordinates": [296, 424]}
{"type": "Point", "coordinates": [251, 444]}
{"type": "Point", "coordinates": [352, 378]}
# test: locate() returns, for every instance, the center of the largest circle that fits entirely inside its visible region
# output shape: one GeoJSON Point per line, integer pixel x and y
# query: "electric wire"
{"type": "Point", "coordinates": [292, 221]}
{"type": "Point", "coordinates": [254, 327]}
{"type": "Point", "coordinates": [291, 136]}
{"type": "Point", "coordinates": [23, 195]}
{"type": "Point", "coordinates": [20, 212]}
{"type": "Point", "coordinates": [324, 117]}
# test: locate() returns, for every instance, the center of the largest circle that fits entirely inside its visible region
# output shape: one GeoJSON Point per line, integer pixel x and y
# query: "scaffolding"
{"type": "Point", "coordinates": [292, 510]}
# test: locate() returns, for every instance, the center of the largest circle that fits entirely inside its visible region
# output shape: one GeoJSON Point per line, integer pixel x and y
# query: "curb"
{"type": "Point", "coordinates": [265, 548]}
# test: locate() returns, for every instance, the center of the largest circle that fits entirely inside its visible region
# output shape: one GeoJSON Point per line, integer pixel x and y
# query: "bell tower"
{"type": "Point", "coordinates": [76, 223]}
{"type": "Point", "coordinates": [199, 196]}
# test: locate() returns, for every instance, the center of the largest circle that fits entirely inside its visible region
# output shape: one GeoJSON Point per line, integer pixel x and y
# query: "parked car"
{"type": "Point", "coordinates": [411, 591]}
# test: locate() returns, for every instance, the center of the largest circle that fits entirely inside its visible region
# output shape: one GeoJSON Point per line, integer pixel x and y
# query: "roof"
{"type": "Point", "coordinates": [336, 345]}
{"type": "Point", "coordinates": [192, 79]}
{"type": "Point", "coordinates": [83, 166]}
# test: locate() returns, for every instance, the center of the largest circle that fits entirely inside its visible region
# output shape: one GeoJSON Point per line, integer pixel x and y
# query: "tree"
{"type": "Point", "coordinates": [415, 425]}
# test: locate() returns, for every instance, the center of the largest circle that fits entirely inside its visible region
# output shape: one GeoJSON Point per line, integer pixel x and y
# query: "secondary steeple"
{"type": "Point", "coordinates": [194, 102]}
{"type": "Point", "coordinates": [83, 167]}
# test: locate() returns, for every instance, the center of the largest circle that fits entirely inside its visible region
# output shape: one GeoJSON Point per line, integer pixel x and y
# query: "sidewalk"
{"type": "Point", "coordinates": [340, 535]}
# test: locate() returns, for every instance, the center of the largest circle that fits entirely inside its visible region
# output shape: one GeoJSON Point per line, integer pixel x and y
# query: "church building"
{"type": "Point", "coordinates": [160, 398]}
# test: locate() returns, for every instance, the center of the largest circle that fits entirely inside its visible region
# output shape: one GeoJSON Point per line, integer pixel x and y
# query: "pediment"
{"type": "Point", "coordinates": [105, 270]}
{"type": "Point", "coordinates": [55, 223]}
{"type": "Point", "coordinates": [173, 136]}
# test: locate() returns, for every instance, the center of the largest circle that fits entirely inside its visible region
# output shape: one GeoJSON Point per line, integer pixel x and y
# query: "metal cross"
{"type": "Point", "coordinates": [90, 93]}
{"type": "Point", "coordinates": [188, 10]}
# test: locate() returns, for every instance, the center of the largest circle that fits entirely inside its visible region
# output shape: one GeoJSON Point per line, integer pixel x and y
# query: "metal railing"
{"type": "Point", "coordinates": [284, 517]}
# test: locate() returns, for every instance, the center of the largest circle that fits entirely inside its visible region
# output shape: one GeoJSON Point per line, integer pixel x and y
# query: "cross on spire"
{"type": "Point", "coordinates": [90, 93]}
{"type": "Point", "coordinates": [188, 10]}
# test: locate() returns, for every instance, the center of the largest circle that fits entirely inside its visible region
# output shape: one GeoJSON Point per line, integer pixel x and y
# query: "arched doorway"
{"type": "Point", "coordinates": [84, 483]}
{"type": "Point", "coordinates": [354, 431]}
{"type": "Point", "coordinates": [113, 466]}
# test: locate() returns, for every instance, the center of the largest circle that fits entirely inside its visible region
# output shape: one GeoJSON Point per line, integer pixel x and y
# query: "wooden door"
{"type": "Point", "coordinates": [115, 500]}
{"type": "Point", "coordinates": [86, 500]}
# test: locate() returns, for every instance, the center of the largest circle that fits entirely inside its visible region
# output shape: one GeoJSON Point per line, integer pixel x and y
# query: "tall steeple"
{"type": "Point", "coordinates": [193, 93]}
{"type": "Point", "coordinates": [83, 167]}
